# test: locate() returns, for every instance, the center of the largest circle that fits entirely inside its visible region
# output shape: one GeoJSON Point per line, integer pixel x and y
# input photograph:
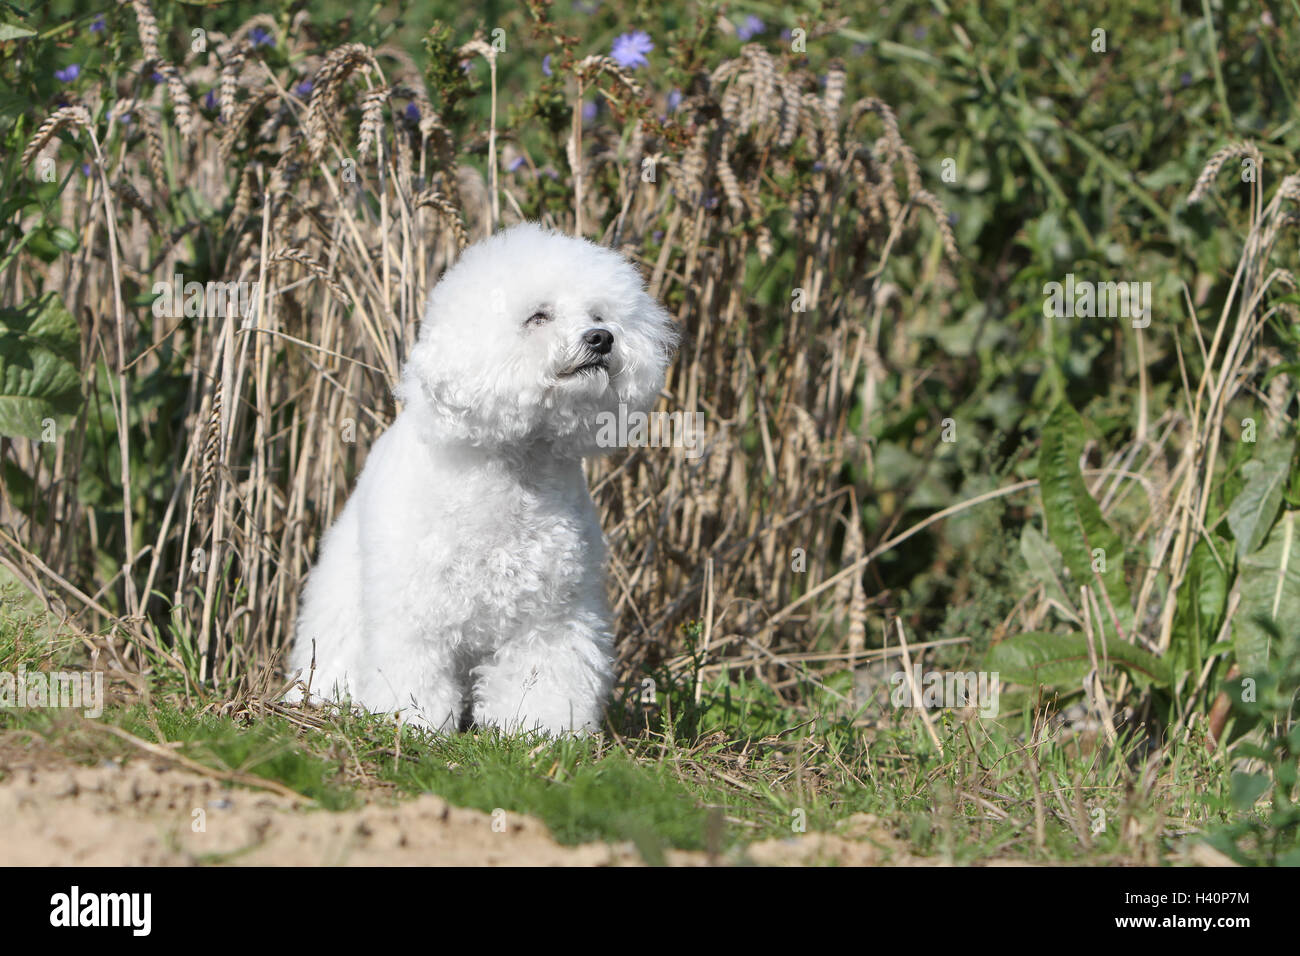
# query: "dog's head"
{"type": "Point", "coordinates": [532, 335]}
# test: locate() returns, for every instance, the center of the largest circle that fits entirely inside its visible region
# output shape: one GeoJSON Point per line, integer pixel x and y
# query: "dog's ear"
{"type": "Point", "coordinates": [651, 340]}
{"type": "Point", "coordinates": [424, 383]}
{"type": "Point", "coordinates": [455, 402]}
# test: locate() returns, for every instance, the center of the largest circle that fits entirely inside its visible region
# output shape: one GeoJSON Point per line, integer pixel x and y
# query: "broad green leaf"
{"type": "Point", "coordinates": [1247, 788]}
{"type": "Point", "coordinates": [1252, 512]}
{"type": "Point", "coordinates": [1045, 565]}
{"type": "Point", "coordinates": [64, 239]}
{"type": "Point", "coordinates": [1062, 660]}
{"type": "Point", "coordinates": [1074, 521]}
{"type": "Point", "coordinates": [12, 31]}
{"type": "Point", "coordinates": [1201, 602]}
{"type": "Point", "coordinates": [39, 350]}
{"type": "Point", "coordinates": [1270, 595]}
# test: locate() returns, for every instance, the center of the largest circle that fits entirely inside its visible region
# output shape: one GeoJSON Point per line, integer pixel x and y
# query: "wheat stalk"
{"type": "Point", "coordinates": [435, 200]}
{"type": "Point", "coordinates": [325, 95]}
{"type": "Point", "coordinates": [147, 26]}
{"type": "Point", "coordinates": [1210, 172]}
{"type": "Point", "coordinates": [63, 117]}
{"type": "Point", "coordinates": [289, 254]}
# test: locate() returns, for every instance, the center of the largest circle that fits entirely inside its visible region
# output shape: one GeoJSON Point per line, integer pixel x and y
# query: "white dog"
{"type": "Point", "coordinates": [466, 573]}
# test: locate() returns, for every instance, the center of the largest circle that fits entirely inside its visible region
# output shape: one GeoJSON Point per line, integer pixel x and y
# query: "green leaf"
{"type": "Point", "coordinates": [64, 239]}
{"type": "Point", "coordinates": [1247, 788]}
{"type": "Point", "coordinates": [1270, 596]}
{"type": "Point", "coordinates": [1074, 520]}
{"type": "Point", "coordinates": [12, 31]}
{"type": "Point", "coordinates": [1062, 660]}
{"type": "Point", "coordinates": [1252, 512]}
{"type": "Point", "coordinates": [1045, 564]}
{"type": "Point", "coordinates": [40, 347]}
{"type": "Point", "coordinates": [1201, 601]}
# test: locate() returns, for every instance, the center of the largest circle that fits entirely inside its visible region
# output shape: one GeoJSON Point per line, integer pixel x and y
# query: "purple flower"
{"type": "Point", "coordinates": [750, 27]}
{"type": "Point", "coordinates": [658, 235]}
{"type": "Point", "coordinates": [818, 166]}
{"type": "Point", "coordinates": [85, 170]}
{"type": "Point", "coordinates": [629, 50]}
{"type": "Point", "coordinates": [674, 99]}
{"type": "Point", "coordinates": [303, 89]}
{"type": "Point", "coordinates": [514, 164]}
{"type": "Point", "coordinates": [786, 34]}
{"type": "Point", "coordinates": [589, 110]}
{"type": "Point", "coordinates": [412, 112]}
{"type": "Point", "coordinates": [1186, 79]}
{"type": "Point", "coordinates": [587, 8]}
{"type": "Point", "coordinates": [156, 77]}
{"type": "Point", "coordinates": [210, 99]}
{"type": "Point", "coordinates": [97, 24]}
{"type": "Point", "coordinates": [546, 65]}
{"type": "Point", "coordinates": [68, 73]}
{"type": "Point", "coordinates": [260, 37]}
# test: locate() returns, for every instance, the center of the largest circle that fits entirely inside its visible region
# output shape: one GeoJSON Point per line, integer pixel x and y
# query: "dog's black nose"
{"type": "Point", "coordinates": [599, 340]}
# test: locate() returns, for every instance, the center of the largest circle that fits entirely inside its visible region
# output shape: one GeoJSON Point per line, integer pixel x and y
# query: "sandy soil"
{"type": "Point", "coordinates": [149, 812]}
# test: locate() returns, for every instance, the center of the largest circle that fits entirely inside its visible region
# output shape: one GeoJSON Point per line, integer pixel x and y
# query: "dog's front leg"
{"type": "Point", "coordinates": [405, 668]}
{"type": "Point", "coordinates": [552, 679]}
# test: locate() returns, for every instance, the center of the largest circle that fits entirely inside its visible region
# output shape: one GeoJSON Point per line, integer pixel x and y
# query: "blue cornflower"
{"type": "Point", "coordinates": [750, 27]}
{"type": "Point", "coordinates": [629, 50]}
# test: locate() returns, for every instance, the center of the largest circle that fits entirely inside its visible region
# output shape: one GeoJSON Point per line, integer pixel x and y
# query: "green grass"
{"type": "Point", "coordinates": [739, 766]}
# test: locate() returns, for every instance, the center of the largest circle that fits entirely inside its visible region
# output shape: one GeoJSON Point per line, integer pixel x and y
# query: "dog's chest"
{"type": "Point", "coordinates": [501, 551]}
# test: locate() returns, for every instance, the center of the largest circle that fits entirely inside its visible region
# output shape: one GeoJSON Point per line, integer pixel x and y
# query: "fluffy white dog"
{"type": "Point", "coordinates": [466, 572]}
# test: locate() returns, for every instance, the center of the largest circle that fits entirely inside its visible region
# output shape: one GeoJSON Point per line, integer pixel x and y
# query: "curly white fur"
{"type": "Point", "coordinates": [466, 573]}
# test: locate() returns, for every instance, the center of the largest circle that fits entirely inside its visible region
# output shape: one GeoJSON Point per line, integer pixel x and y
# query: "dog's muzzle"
{"type": "Point", "coordinates": [597, 344]}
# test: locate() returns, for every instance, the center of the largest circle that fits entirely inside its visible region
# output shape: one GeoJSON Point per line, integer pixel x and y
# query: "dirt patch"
{"type": "Point", "coordinates": [147, 813]}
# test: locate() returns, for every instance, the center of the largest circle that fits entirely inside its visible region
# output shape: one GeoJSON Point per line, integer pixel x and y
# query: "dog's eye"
{"type": "Point", "coordinates": [537, 318]}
